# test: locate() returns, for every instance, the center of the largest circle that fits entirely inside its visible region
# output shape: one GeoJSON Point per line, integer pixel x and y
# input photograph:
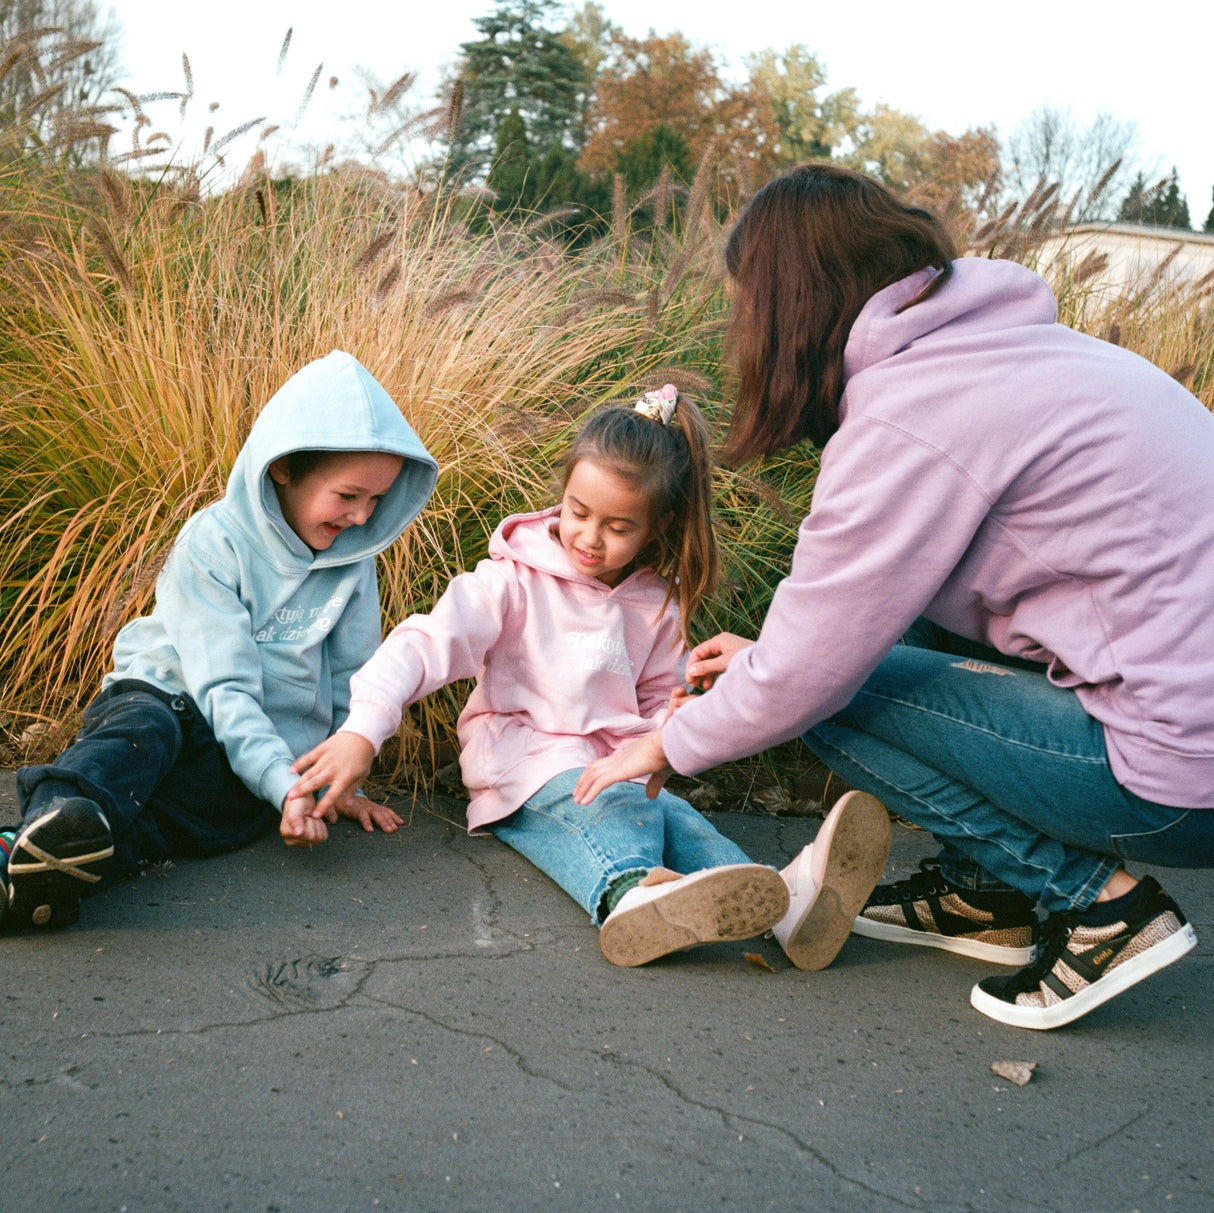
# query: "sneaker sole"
{"type": "Point", "coordinates": [995, 953]}
{"type": "Point", "coordinates": [857, 852]}
{"type": "Point", "coordinates": [1114, 982]}
{"type": "Point", "coordinates": [40, 892]}
{"type": "Point", "coordinates": [727, 904]}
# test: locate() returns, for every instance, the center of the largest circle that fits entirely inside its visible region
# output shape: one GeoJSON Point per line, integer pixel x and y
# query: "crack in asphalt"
{"type": "Point", "coordinates": [728, 1119]}
{"type": "Point", "coordinates": [1100, 1141]}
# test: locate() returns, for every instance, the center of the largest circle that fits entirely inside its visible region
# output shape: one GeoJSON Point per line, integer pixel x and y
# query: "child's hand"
{"type": "Point", "coordinates": [342, 762]}
{"type": "Point", "coordinates": [366, 812]}
{"type": "Point", "coordinates": [678, 697]}
{"type": "Point", "coordinates": [299, 826]}
{"type": "Point", "coordinates": [644, 756]}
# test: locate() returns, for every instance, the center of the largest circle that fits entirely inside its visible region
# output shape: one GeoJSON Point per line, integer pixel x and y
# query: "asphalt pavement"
{"type": "Point", "coordinates": [423, 1021]}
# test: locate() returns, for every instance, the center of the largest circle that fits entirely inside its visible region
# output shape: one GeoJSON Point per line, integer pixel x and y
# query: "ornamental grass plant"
{"type": "Point", "coordinates": [144, 322]}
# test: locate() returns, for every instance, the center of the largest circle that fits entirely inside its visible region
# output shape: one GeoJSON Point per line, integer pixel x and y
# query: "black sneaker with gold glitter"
{"type": "Point", "coordinates": [928, 911]}
{"type": "Point", "coordinates": [1085, 958]}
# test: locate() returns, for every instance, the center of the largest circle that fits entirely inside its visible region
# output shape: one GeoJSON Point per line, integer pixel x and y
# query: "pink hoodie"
{"type": "Point", "coordinates": [568, 669]}
{"type": "Point", "coordinates": [1020, 484]}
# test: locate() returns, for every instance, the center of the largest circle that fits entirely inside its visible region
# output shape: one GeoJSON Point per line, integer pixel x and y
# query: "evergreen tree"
{"type": "Point", "coordinates": [521, 71]}
{"type": "Point", "coordinates": [1209, 223]}
{"type": "Point", "coordinates": [640, 161]}
{"type": "Point", "coordinates": [510, 170]}
{"type": "Point", "coordinates": [1160, 205]}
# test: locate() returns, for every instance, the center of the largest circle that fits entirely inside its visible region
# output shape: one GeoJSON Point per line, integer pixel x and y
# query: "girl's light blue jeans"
{"type": "Point", "coordinates": [586, 847]}
{"type": "Point", "coordinates": [1007, 771]}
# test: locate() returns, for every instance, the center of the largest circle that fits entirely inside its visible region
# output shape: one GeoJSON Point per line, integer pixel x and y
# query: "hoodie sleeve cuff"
{"type": "Point", "coordinates": [276, 783]}
{"type": "Point", "coordinates": [371, 722]}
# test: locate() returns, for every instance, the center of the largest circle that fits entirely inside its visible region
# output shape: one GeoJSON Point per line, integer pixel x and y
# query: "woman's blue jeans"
{"type": "Point", "coordinates": [1007, 771]}
{"type": "Point", "coordinates": [586, 847]}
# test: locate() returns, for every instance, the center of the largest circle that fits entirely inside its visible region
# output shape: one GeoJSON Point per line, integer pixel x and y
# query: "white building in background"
{"type": "Point", "coordinates": [1123, 256]}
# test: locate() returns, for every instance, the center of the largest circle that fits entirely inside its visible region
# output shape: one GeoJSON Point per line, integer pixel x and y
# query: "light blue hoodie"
{"type": "Point", "coordinates": [262, 632]}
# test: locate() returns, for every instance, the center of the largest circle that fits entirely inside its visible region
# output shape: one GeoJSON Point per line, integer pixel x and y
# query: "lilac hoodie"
{"type": "Point", "coordinates": [1020, 484]}
{"type": "Point", "coordinates": [568, 669]}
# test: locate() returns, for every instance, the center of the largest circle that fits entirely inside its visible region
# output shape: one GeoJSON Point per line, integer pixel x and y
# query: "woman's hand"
{"type": "Point", "coordinates": [341, 762]}
{"type": "Point", "coordinates": [710, 657]}
{"type": "Point", "coordinates": [644, 756]}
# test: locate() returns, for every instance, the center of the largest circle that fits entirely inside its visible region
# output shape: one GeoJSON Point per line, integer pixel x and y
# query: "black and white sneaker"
{"type": "Point", "coordinates": [928, 911]}
{"type": "Point", "coordinates": [58, 853]}
{"type": "Point", "coordinates": [1083, 963]}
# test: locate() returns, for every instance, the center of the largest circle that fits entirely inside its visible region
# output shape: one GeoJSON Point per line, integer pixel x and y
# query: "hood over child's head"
{"type": "Point", "coordinates": [329, 437]}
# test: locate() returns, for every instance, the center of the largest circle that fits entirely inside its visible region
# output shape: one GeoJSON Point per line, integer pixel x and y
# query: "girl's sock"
{"type": "Point", "coordinates": [618, 887]}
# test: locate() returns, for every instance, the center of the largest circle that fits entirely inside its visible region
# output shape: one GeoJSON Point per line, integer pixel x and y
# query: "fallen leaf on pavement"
{"type": "Point", "coordinates": [1018, 1072]}
{"type": "Point", "coordinates": [760, 962]}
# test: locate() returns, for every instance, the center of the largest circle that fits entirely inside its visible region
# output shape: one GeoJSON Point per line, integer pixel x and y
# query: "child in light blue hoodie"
{"type": "Point", "coordinates": [265, 607]}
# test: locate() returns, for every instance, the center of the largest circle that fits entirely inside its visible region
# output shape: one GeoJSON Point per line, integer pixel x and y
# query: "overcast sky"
{"type": "Point", "coordinates": [953, 65]}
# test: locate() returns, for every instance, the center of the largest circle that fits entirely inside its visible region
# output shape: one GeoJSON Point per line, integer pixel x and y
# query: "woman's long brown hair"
{"type": "Point", "coordinates": [810, 250]}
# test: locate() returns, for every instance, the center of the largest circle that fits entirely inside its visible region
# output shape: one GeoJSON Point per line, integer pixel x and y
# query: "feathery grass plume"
{"type": "Point", "coordinates": [395, 91]}
{"type": "Point", "coordinates": [307, 95]}
{"type": "Point", "coordinates": [1091, 266]}
{"type": "Point", "coordinates": [619, 210]}
{"type": "Point", "coordinates": [597, 298]}
{"type": "Point", "coordinates": [388, 279]}
{"type": "Point", "coordinates": [369, 255]}
{"type": "Point", "coordinates": [1184, 373]}
{"type": "Point", "coordinates": [235, 133]}
{"type": "Point", "coordinates": [282, 50]}
{"type": "Point", "coordinates": [455, 109]}
{"type": "Point", "coordinates": [688, 380]}
{"type": "Point", "coordinates": [1113, 334]}
{"type": "Point", "coordinates": [113, 255]}
{"type": "Point", "coordinates": [1102, 185]}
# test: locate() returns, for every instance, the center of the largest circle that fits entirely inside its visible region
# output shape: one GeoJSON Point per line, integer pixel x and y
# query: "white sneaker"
{"type": "Point", "coordinates": [829, 882]}
{"type": "Point", "coordinates": [667, 912]}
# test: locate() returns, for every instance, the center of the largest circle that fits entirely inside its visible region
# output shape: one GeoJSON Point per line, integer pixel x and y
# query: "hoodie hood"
{"type": "Point", "coordinates": [332, 404]}
{"type": "Point", "coordinates": [982, 298]}
{"type": "Point", "coordinates": [530, 540]}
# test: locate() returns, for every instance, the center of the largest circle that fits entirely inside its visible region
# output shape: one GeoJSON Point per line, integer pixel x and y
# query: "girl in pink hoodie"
{"type": "Point", "coordinates": [573, 629]}
{"type": "Point", "coordinates": [1031, 511]}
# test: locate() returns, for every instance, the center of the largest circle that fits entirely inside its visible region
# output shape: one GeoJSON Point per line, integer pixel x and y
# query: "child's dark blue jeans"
{"type": "Point", "coordinates": [150, 760]}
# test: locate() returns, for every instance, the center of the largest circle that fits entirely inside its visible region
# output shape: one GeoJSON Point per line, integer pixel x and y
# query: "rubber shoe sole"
{"type": "Point", "coordinates": [56, 857]}
{"type": "Point", "coordinates": [736, 901]}
{"type": "Point", "coordinates": [855, 838]}
{"type": "Point", "coordinates": [994, 953]}
{"type": "Point", "coordinates": [1115, 981]}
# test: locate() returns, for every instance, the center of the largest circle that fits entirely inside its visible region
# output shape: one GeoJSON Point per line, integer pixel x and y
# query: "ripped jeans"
{"type": "Point", "coordinates": [1007, 770]}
